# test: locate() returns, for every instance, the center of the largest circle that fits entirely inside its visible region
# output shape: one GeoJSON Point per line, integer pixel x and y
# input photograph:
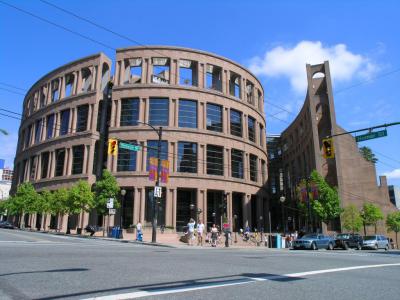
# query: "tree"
{"type": "Point", "coordinates": [327, 206]}
{"type": "Point", "coordinates": [370, 215]}
{"type": "Point", "coordinates": [80, 199]}
{"type": "Point", "coordinates": [44, 205]}
{"type": "Point", "coordinates": [24, 201]}
{"type": "Point", "coordinates": [351, 218]}
{"type": "Point", "coordinates": [105, 188]}
{"type": "Point", "coordinates": [368, 155]}
{"type": "Point", "coordinates": [3, 207]}
{"type": "Point", "coordinates": [59, 204]}
{"type": "Point", "coordinates": [393, 223]}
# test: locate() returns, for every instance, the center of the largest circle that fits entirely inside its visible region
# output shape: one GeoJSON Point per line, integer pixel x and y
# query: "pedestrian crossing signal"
{"type": "Point", "coordinates": [327, 148]}
{"type": "Point", "coordinates": [112, 147]}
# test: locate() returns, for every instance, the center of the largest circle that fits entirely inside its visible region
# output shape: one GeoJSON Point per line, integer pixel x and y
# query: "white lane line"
{"type": "Point", "coordinates": [245, 280]}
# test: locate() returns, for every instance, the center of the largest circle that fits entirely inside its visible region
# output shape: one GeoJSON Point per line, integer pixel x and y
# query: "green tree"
{"type": "Point", "coordinates": [351, 218]}
{"type": "Point", "coordinates": [25, 201]}
{"type": "Point", "coordinates": [393, 223]}
{"type": "Point", "coordinates": [59, 204]}
{"type": "Point", "coordinates": [3, 207]}
{"type": "Point", "coordinates": [44, 205]}
{"type": "Point", "coordinates": [327, 206]}
{"type": "Point", "coordinates": [370, 215]}
{"type": "Point", "coordinates": [368, 155]}
{"type": "Point", "coordinates": [104, 189]}
{"type": "Point", "coordinates": [80, 199]}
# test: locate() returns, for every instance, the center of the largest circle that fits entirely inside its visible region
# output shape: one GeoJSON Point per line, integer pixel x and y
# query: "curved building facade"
{"type": "Point", "coordinates": [211, 111]}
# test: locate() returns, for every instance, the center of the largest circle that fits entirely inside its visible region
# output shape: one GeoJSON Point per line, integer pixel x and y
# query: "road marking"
{"type": "Point", "coordinates": [200, 286]}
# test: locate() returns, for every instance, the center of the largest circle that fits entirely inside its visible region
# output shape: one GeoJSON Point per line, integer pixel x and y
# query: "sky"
{"type": "Point", "coordinates": [274, 39]}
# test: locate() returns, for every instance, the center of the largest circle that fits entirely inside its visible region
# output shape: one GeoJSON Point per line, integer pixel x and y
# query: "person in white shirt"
{"type": "Point", "coordinates": [200, 230]}
{"type": "Point", "coordinates": [191, 231]}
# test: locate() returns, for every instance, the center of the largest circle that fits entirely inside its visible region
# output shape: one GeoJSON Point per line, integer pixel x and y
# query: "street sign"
{"type": "Point", "coordinates": [112, 211]}
{"type": "Point", "coordinates": [371, 135]}
{"type": "Point", "coordinates": [157, 191]}
{"type": "Point", "coordinates": [110, 203]}
{"type": "Point", "coordinates": [131, 147]}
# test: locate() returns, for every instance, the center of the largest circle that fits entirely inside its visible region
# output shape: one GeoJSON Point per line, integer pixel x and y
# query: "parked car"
{"type": "Point", "coordinates": [314, 241]}
{"type": "Point", "coordinates": [348, 240]}
{"type": "Point", "coordinates": [375, 242]}
{"type": "Point", "coordinates": [6, 225]}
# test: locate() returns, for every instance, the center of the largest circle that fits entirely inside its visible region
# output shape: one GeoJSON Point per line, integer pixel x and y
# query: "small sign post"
{"type": "Point", "coordinates": [112, 211]}
{"type": "Point", "coordinates": [371, 135]}
{"type": "Point", "coordinates": [110, 203]}
{"type": "Point", "coordinates": [157, 191]}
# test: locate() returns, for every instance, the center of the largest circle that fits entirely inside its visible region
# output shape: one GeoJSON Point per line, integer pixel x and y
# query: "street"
{"type": "Point", "coordinates": [44, 266]}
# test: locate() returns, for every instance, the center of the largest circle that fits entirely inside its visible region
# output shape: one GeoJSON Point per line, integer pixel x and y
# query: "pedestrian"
{"type": "Point", "coordinates": [200, 229]}
{"type": "Point", "coordinates": [214, 236]}
{"type": "Point", "coordinates": [139, 233]}
{"type": "Point", "coordinates": [191, 231]}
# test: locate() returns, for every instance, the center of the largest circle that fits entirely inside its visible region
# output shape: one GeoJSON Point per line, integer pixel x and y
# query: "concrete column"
{"type": "Point", "coordinates": [202, 159]}
{"type": "Point", "coordinates": [174, 207]}
{"type": "Point", "coordinates": [245, 131]}
{"type": "Point", "coordinates": [168, 207]}
{"type": "Point", "coordinates": [64, 223]}
{"type": "Point", "coordinates": [90, 117]}
{"type": "Point", "coordinates": [171, 112]}
{"type": "Point", "coordinates": [118, 113]}
{"type": "Point", "coordinates": [68, 163]}
{"type": "Point", "coordinates": [149, 70]}
{"type": "Point", "coordinates": [61, 87]}
{"type": "Point", "coordinates": [174, 167]}
{"type": "Point", "coordinates": [246, 167]}
{"type": "Point", "coordinates": [86, 149]}
{"type": "Point", "coordinates": [52, 163]}
{"type": "Point", "coordinates": [224, 81]}
{"type": "Point", "coordinates": [38, 167]}
{"type": "Point", "coordinates": [229, 208]}
{"type": "Point", "coordinates": [200, 115]}
{"type": "Point", "coordinates": [172, 71]}
{"type": "Point", "coordinates": [246, 209]}
{"type": "Point", "coordinates": [146, 110]}
{"type": "Point", "coordinates": [226, 162]}
{"type": "Point", "coordinates": [136, 206]}
{"type": "Point", "coordinates": [202, 194]}
{"type": "Point", "coordinates": [114, 104]}
{"type": "Point", "coordinates": [243, 90]}
{"type": "Point", "coordinates": [226, 119]}
{"type": "Point", "coordinates": [201, 75]}
{"type": "Point", "coordinates": [142, 204]}
{"type": "Point", "coordinates": [72, 122]}
{"type": "Point", "coordinates": [227, 82]}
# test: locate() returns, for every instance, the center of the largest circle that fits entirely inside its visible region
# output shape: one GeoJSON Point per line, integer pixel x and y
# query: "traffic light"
{"type": "Point", "coordinates": [112, 147]}
{"type": "Point", "coordinates": [327, 148]}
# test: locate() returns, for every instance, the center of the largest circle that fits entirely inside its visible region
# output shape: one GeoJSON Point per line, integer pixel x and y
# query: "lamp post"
{"type": "Point", "coordinates": [157, 185]}
{"type": "Point", "coordinates": [282, 199]}
{"type": "Point", "coordinates": [235, 219]}
{"type": "Point", "coordinates": [123, 193]}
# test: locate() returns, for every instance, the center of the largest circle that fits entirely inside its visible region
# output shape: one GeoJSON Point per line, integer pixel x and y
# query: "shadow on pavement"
{"type": "Point", "coordinates": [47, 271]}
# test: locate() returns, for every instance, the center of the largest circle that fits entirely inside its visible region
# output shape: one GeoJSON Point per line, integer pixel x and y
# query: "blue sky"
{"type": "Point", "coordinates": [273, 38]}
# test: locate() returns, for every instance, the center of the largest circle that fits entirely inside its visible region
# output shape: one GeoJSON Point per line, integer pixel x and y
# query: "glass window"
{"type": "Point", "coordinates": [237, 163]}
{"type": "Point", "coordinates": [129, 112]}
{"type": "Point", "coordinates": [45, 164]}
{"type": "Point", "coordinates": [187, 113]}
{"type": "Point", "coordinates": [253, 167]}
{"type": "Point", "coordinates": [187, 72]}
{"type": "Point", "coordinates": [126, 159]}
{"type": "Point", "coordinates": [50, 126]}
{"type": "Point", "coordinates": [214, 117]}
{"type": "Point", "coordinates": [55, 95]}
{"type": "Point", "coordinates": [215, 160]}
{"type": "Point", "coordinates": [152, 151]}
{"type": "Point", "coordinates": [28, 136]}
{"type": "Point", "coordinates": [187, 157]}
{"type": "Point", "coordinates": [64, 122]}
{"type": "Point", "coordinates": [160, 70]}
{"type": "Point", "coordinates": [82, 118]}
{"type": "Point", "coordinates": [252, 128]}
{"type": "Point", "coordinates": [69, 84]}
{"type": "Point", "coordinates": [159, 111]}
{"type": "Point", "coordinates": [236, 122]}
{"type": "Point", "coordinates": [214, 78]}
{"type": "Point", "coordinates": [77, 160]}
{"type": "Point", "coordinates": [60, 158]}
{"type": "Point", "coordinates": [38, 130]}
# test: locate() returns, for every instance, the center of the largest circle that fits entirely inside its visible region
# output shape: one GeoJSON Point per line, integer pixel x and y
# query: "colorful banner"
{"type": "Point", "coordinates": [164, 171]}
{"type": "Point", "coordinates": [153, 169]}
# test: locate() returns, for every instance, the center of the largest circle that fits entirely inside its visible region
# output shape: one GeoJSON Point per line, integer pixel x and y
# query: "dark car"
{"type": "Point", "coordinates": [348, 240]}
{"type": "Point", "coordinates": [6, 225]}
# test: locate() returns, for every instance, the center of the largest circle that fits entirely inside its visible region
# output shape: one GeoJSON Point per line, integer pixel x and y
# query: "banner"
{"type": "Point", "coordinates": [164, 171]}
{"type": "Point", "coordinates": [153, 169]}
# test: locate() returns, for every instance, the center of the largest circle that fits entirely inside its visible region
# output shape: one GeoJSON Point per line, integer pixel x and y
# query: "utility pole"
{"type": "Point", "coordinates": [155, 202]}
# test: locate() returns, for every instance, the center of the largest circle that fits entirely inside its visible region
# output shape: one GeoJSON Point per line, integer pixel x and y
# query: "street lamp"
{"type": "Point", "coordinates": [282, 199]}
{"type": "Point", "coordinates": [157, 185]}
{"type": "Point", "coordinates": [123, 193]}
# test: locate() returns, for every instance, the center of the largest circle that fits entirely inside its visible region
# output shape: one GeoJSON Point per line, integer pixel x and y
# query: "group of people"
{"type": "Point", "coordinates": [198, 231]}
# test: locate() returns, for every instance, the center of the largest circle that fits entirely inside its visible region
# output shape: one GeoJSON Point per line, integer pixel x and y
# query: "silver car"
{"type": "Point", "coordinates": [314, 241]}
{"type": "Point", "coordinates": [375, 242]}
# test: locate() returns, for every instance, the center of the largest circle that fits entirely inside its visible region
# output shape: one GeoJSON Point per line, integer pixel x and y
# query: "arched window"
{"type": "Point", "coordinates": [86, 80]}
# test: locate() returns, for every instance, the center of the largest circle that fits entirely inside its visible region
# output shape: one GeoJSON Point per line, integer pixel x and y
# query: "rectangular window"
{"type": "Point", "coordinates": [237, 163]}
{"type": "Point", "coordinates": [50, 126]}
{"type": "Point", "coordinates": [28, 136]}
{"type": "Point", "coordinates": [126, 159]}
{"type": "Point", "coordinates": [236, 122]}
{"type": "Point", "coordinates": [82, 118]}
{"type": "Point", "coordinates": [187, 113]}
{"type": "Point", "coordinates": [160, 70]}
{"type": "Point", "coordinates": [60, 159]}
{"type": "Point", "coordinates": [187, 72]}
{"type": "Point", "coordinates": [234, 85]}
{"type": "Point", "coordinates": [64, 128]}
{"type": "Point", "coordinates": [152, 151]}
{"type": "Point", "coordinates": [214, 117]}
{"type": "Point", "coordinates": [33, 163]}
{"type": "Point", "coordinates": [214, 78]}
{"type": "Point", "coordinates": [187, 157]}
{"type": "Point", "coordinates": [44, 164]}
{"type": "Point", "coordinates": [215, 160]}
{"type": "Point", "coordinates": [77, 159]}
{"type": "Point", "coordinates": [55, 95]}
{"type": "Point", "coordinates": [38, 130]}
{"type": "Point", "coordinates": [159, 111]}
{"type": "Point", "coordinates": [69, 84]}
{"type": "Point", "coordinates": [249, 92]}
{"type": "Point", "coordinates": [133, 70]}
{"type": "Point", "coordinates": [129, 112]}
{"type": "Point", "coordinates": [42, 97]}
{"type": "Point", "coordinates": [251, 122]}
{"type": "Point", "coordinates": [253, 167]}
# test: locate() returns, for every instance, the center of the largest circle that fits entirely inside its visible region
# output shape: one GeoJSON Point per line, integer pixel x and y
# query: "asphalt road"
{"type": "Point", "coordinates": [43, 266]}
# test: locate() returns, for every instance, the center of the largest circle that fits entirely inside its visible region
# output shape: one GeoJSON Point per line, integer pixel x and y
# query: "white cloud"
{"type": "Point", "coordinates": [395, 174]}
{"type": "Point", "coordinates": [8, 147]}
{"type": "Point", "coordinates": [291, 62]}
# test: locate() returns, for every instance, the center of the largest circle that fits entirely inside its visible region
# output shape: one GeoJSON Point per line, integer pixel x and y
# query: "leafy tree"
{"type": "Point", "coordinates": [3, 207]}
{"type": "Point", "coordinates": [80, 199]}
{"type": "Point", "coordinates": [327, 206]}
{"type": "Point", "coordinates": [370, 215]}
{"type": "Point", "coordinates": [393, 223]}
{"type": "Point", "coordinates": [105, 188]}
{"type": "Point", "coordinates": [368, 155]}
{"type": "Point", "coordinates": [24, 201]}
{"type": "Point", "coordinates": [351, 218]}
{"type": "Point", "coordinates": [43, 205]}
{"type": "Point", "coordinates": [59, 204]}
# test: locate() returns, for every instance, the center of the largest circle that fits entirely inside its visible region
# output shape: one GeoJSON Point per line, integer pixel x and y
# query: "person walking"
{"type": "Point", "coordinates": [214, 236]}
{"type": "Point", "coordinates": [139, 233]}
{"type": "Point", "coordinates": [200, 230]}
{"type": "Point", "coordinates": [191, 231]}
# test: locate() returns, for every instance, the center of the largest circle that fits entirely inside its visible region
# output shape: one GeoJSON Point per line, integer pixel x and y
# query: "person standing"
{"type": "Point", "coordinates": [214, 236]}
{"type": "Point", "coordinates": [191, 231]}
{"type": "Point", "coordinates": [200, 230]}
{"type": "Point", "coordinates": [139, 233]}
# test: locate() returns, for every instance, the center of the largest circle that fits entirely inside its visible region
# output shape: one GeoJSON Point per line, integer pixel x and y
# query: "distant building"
{"type": "Point", "coordinates": [394, 194]}
{"type": "Point", "coordinates": [5, 180]}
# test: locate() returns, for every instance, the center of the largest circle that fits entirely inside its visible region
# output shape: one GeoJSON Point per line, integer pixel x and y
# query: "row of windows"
{"type": "Point", "coordinates": [187, 161]}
